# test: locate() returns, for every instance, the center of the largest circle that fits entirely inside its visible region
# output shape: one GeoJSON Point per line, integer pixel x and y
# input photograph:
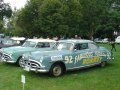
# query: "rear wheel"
{"type": "Point", "coordinates": [103, 64]}
{"type": "Point", "coordinates": [56, 70]}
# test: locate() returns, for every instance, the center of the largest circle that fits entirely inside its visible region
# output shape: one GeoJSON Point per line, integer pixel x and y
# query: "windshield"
{"type": "Point", "coordinates": [29, 44]}
{"type": "Point", "coordinates": [9, 42]}
{"type": "Point", "coordinates": [63, 46]}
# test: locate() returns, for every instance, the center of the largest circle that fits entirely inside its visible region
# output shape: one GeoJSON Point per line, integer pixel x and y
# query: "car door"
{"type": "Point", "coordinates": [69, 56]}
{"type": "Point", "coordinates": [80, 53]}
{"type": "Point", "coordinates": [92, 57]}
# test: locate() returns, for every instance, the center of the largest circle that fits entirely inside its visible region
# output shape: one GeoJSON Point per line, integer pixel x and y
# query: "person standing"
{"type": "Point", "coordinates": [76, 37]}
{"type": "Point", "coordinates": [113, 46]}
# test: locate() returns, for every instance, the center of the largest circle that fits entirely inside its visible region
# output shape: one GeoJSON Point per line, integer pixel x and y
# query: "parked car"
{"type": "Point", "coordinates": [117, 40]}
{"type": "Point", "coordinates": [19, 40]}
{"type": "Point", "coordinates": [9, 42]}
{"type": "Point", "coordinates": [14, 54]}
{"type": "Point", "coordinates": [66, 55]}
{"type": "Point", "coordinates": [105, 40]}
{"type": "Point", "coordinates": [2, 35]}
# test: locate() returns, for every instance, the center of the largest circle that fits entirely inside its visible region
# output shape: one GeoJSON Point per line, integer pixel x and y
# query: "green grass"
{"type": "Point", "coordinates": [94, 78]}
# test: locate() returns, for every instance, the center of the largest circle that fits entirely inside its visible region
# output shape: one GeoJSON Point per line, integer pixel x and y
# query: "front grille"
{"type": "Point", "coordinates": [33, 64]}
{"type": "Point", "coordinates": [6, 57]}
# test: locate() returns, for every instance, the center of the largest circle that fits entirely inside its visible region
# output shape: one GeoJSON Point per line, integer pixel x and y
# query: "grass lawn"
{"type": "Point", "coordinates": [94, 78]}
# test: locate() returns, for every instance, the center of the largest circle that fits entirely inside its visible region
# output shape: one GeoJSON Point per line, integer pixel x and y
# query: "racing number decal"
{"type": "Point", "coordinates": [68, 59]}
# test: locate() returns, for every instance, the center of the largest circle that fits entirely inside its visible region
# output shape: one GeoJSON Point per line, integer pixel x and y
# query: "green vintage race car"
{"type": "Point", "coordinates": [66, 55]}
{"type": "Point", "coordinates": [14, 54]}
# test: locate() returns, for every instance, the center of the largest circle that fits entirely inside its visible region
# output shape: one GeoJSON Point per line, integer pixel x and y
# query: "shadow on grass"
{"type": "Point", "coordinates": [10, 64]}
{"type": "Point", "coordinates": [36, 74]}
{"type": "Point", "coordinates": [89, 69]}
{"type": "Point", "coordinates": [72, 72]}
{"type": "Point", "coordinates": [46, 75]}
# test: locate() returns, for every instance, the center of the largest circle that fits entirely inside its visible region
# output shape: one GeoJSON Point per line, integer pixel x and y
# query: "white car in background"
{"type": "Point", "coordinates": [19, 39]}
{"type": "Point", "coordinates": [117, 40]}
{"type": "Point", "coordinates": [105, 40]}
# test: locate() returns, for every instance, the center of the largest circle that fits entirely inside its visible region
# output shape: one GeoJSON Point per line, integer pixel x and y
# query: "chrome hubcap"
{"type": "Point", "coordinates": [21, 63]}
{"type": "Point", "coordinates": [57, 70]}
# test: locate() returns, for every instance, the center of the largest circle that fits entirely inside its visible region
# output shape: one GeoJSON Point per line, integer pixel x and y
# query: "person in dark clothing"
{"type": "Point", "coordinates": [113, 46]}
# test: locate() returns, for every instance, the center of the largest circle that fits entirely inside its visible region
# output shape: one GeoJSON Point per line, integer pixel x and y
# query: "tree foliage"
{"type": "Point", "coordinates": [110, 21]}
{"type": "Point", "coordinates": [53, 17]}
{"type": "Point", "coordinates": [86, 18]}
{"type": "Point", "coordinates": [5, 12]}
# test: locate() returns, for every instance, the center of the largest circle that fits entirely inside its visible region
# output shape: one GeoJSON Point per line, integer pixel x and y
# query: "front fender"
{"type": "Point", "coordinates": [15, 56]}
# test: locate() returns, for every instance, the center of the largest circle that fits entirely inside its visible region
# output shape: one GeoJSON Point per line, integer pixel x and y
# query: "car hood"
{"type": "Point", "coordinates": [17, 49]}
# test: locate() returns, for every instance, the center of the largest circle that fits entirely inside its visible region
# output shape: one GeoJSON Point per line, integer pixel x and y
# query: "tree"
{"type": "Point", "coordinates": [86, 18]}
{"type": "Point", "coordinates": [110, 21]}
{"type": "Point", "coordinates": [5, 12]}
{"type": "Point", "coordinates": [93, 14]}
{"type": "Point", "coordinates": [53, 17]}
{"type": "Point", "coordinates": [11, 27]}
{"type": "Point", "coordinates": [27, 17]}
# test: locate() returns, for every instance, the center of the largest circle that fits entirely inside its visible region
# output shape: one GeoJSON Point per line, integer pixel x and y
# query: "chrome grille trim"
{"type": "Point", "coordinates": [6, 57]}
{"type": "Point", "coordinates": [33, 64]}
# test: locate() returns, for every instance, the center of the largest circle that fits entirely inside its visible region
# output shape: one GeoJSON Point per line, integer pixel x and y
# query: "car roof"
{"type": "Point", "coordinates": [76, 41]}
{"type": "Point", "coordinates": [18, 38]}
{"type": "Point", "coordinates": [41, 40]}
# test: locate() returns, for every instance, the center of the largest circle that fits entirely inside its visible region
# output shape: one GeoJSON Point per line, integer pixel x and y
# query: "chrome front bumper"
{"type": "Point", "coordinates": [27, 68]}
{"type": "Point", "coordinates": [8, 61]}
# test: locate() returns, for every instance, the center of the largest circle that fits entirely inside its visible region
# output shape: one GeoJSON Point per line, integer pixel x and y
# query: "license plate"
{"type": "Point", "coordinates": [27, 68]}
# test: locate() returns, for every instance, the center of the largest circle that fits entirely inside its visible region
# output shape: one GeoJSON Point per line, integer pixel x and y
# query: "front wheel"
{"type": "Point", "coordinates": [20, 62]}
{"type": "Point", "coordinates": [56, 70]}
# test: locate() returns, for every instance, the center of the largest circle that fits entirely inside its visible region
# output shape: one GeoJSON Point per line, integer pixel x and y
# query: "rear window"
{"type": "Point", "coordinates": [92, 46]}
{"type": "Point", "coordinates": [43, 44]}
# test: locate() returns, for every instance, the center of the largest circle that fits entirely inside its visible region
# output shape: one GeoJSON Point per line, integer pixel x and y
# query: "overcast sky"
{"type": "Point", "coordinates": [16, 3]}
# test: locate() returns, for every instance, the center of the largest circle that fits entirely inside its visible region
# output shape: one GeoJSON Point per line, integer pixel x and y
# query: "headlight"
{"type": "Point", "coordinates": [25, 56]}
{"type": "Point", "coordinates": [10, 53]}
{"type": "Point", "coordinates": [41, 59]}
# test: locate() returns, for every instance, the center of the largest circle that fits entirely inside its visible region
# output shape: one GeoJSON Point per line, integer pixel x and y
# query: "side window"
{"type": "Point", "coordinates": [40, 45]}
{"type": "Point", "coordinates": [52, 44]}
{"type": "Point", "coordinates": [47, 44]}
{"type": "Point", "coordinates": [81, 46]}
{"type": "Point", "coordinates": [43, 45]}
{"type": "Point", "coordinates": [92, 46]}
{"type": "Point", "coordinates": [84, 45]}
